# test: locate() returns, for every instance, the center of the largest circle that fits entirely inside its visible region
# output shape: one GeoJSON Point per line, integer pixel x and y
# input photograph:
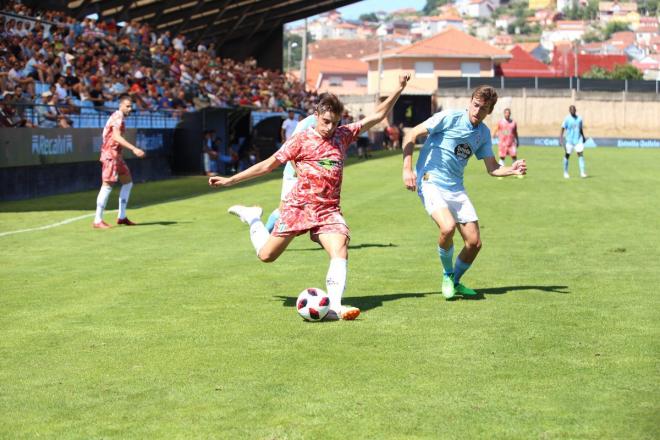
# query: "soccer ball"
{"type": "Point", "coordinates": [313, 304]}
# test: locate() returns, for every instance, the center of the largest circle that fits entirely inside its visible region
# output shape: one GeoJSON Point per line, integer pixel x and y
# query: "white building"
{"type": "Point", "coordinates": [566, 30]}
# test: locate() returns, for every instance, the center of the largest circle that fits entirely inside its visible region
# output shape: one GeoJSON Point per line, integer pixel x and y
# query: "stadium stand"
{"type": "Point", "coordinates": [87, 64]}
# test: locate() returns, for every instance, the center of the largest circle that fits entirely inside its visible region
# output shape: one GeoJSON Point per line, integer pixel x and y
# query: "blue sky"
{"type": "Point", "coordinates": [364, 7]}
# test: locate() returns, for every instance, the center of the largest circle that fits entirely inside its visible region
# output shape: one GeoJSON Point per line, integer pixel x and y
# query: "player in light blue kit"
{"type": "Point", "coordinates": [574, 139]}
{"type": "Point", "coordinates": [289, 177]}
{"type": "Point", "coordinates": [453, 137]}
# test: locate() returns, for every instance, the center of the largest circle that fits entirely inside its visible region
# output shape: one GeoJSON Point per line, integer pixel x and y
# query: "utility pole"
{"type": "Point", "coordinates": [303, 61]}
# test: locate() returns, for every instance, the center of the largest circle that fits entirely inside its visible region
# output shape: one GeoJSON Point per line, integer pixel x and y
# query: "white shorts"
{"type": "Point", "coordinates": [579, 147]}
{"type": "Point", "coordinates": [287, 185]}
{"type": "Point", "coordinates": [459, 204]}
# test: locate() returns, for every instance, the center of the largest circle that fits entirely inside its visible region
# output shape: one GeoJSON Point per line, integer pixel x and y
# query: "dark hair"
{"type": "Point", "coordinates": [329, 102]}
{"type": "Point", "coordinates": [124, 97]}
{"type": "Point", "coordinates": [488, 94]}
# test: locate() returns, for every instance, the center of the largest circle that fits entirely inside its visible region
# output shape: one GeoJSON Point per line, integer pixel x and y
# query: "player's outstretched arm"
{"type": "Point", "coordinates": [519, 167]}
{"type": "Point", "coordinates": [385, 107]}
{"type": "Point", "coordinates": [117, 137]}
{"type": "Point", "coordinates": [256, 170]}
{"type": "Point", "coordinates": [409, 177]}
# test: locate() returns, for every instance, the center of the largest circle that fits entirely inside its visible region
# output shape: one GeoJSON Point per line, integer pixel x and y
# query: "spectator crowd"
{"type": "Point", "coordinates": [63, 64]}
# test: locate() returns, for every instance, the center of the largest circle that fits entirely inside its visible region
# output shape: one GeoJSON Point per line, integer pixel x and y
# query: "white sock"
{"type": "Point", "coordinates": [124, 193]}
{"type": "Point", "coordinates": [101, 201]}
{"type": "Point", "coordinates": [335, 281]}
{"type": "Point", "coordinates": [258, 234]}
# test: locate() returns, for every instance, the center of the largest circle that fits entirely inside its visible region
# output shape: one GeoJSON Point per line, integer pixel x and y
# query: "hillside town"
{"type": "Point", "coordinates": [477, 38]}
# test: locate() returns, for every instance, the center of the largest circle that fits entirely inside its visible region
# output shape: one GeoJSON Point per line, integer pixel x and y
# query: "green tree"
{"type": "Point", "coordinates": [626, 71]}
{"type": "Point", "coordinates": [648, 7]}
{"type": "Point", "coordinates": [296, 51]}
{"type": "Point", "coordinates": [620, 72]}
{"type": "Point", "coordinates": [614, 26]}
{"type": "Point", "coordinates": [432, 6]}
{"type": "Point", "coordinates": [369, 17]}
{"type": "Point", "coordinates": [592, 36]}
{"type": "Point", "coordinates": [597, 73]}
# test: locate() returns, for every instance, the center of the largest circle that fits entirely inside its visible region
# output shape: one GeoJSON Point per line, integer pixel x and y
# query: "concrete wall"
{"type": "Point", "coordinates": [443, 67]}
{"type": "Point", "coordinates": [541, 112]}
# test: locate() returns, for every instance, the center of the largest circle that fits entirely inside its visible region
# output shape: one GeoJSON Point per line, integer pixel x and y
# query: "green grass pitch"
{"type": "Point", "coordinates": [173, 329]}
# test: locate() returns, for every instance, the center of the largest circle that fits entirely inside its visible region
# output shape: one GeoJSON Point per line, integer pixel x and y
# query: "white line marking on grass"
{"type": "Point", "coordinates": [41, 228]}
{"type": "Point", "coordinates": [71, 220]}
{"type": "Point", "coordinates": [80, 217]}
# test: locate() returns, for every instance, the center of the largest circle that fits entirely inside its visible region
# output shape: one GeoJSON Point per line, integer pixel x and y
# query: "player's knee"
{"type": "Point", "coordinates": [473, 243]}
{"type": "Point", "coordinates": [267, 257]}
{"type": "Point", "coordinates": [447, 230]}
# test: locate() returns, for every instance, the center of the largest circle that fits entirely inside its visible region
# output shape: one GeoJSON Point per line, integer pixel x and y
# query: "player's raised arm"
{"type": "Point", "coordinates": [409, 177]}
{"type": "Point", "coordinates": [256, 170]}
{"type": "Point", "coordinates": [385, 107]}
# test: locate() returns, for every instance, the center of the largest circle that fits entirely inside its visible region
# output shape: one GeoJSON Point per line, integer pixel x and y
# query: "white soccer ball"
{"type": "Point", "coordinates": [313, 304]}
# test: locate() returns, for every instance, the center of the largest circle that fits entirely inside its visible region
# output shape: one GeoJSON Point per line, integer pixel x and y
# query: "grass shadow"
{"type": "Point", "coordinates": [507, 289]}
{"type": "Point", "coordinates": [481, 293]}
{"type": "Point", "coordinates": [364, 303]}
{"type": "Point", "coordinates": [161, 223]}
{"type": "Point", "coordinates": [350, 246]}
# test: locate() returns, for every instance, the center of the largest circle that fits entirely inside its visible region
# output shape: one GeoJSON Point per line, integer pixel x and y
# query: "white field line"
{"type": "Point", "coordinates": [80, 217]}
{"type": "Point", "coordinates": [53, 225]}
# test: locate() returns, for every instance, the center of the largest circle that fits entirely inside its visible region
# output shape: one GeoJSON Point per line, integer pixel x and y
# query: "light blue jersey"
{"type": "Point", "coordinates": [308, 122]}
{"type": "Point", "coordinates": [451, 142]}
{"type": "Point", "coordinates": [573, 127]}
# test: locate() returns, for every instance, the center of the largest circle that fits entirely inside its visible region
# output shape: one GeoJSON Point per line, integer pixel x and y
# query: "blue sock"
{"type": "Point", "coordinates": [566, 165]}
{"type": "Point", "coordinates": [460, 268]}
{"type": "Point", "coordinates": [581, 164]}
{"type": "Point", "coordinates": [270, 224]}
{"type": "Point", "coordinates": [447, 259]}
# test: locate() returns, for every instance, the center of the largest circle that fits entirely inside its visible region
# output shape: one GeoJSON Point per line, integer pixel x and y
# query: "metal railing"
{"type": "Point", "coordinates": [565, 83]}
{"type": "Point", "coordinates": [21, 115]}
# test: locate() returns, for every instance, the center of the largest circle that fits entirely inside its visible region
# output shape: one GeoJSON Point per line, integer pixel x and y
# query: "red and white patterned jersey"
{"type": "Point", "coordinates": [111, 149]}
{"type": "Point", "coordinates": [319, 163]}
{"type": "Point", "coordinates": [506, 132]}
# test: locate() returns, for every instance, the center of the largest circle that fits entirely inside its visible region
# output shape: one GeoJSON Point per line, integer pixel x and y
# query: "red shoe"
{"type": "Point", "coordinates": [101, 225]}
{"type": "Point", "coordinates": [125, 221]}
{"type": "Point", "coordinates": [348, 313]}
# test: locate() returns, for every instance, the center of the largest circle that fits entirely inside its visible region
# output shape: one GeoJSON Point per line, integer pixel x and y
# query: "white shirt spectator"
{"type": "Point", "coordinates": [177, 44]}
{"type": "Point", "coordinates": [61, 92]}
{"type": "Point", "coordinates": [289, 126]}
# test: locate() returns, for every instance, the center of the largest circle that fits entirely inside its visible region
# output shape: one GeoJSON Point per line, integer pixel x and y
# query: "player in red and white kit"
{"type": "Point", "coordinates": [113, 166]}
{"type": "Point", "coordinates": [313, 204]}
{"type": "Point", "coordinates": [507, 132]}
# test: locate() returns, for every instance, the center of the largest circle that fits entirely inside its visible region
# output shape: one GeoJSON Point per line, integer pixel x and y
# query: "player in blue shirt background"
{"type": "Point", "coordinates": [573, 139]}
{"type": "Point", "coordinates": [453, 137]}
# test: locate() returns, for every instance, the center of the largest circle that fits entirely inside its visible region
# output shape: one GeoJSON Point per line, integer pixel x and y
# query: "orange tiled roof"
{"type": "Point", "coordinates": [450, 43]}
{"type": "Point", "coordinates": [344, 48]}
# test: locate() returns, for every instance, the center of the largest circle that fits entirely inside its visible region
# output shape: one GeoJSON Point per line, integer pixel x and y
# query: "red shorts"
{"type": "Point", "coordinates": [111, 169]}
{"type": "Point", "coordinates": [508, 150]}
{"type": "Point", "coordinates": [297, 221]}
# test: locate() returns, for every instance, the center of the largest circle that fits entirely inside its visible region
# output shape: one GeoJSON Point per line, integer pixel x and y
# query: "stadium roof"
{"type": "Point", "coordinates": [218, 21]}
